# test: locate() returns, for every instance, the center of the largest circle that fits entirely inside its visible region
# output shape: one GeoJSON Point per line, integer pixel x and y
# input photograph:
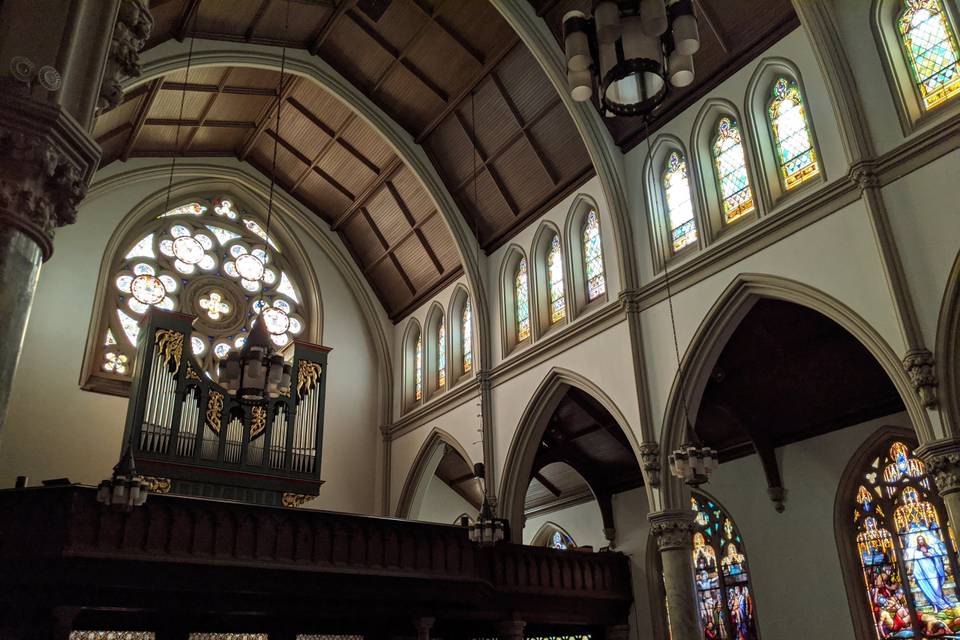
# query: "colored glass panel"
{"type": "Point", "coordinates": [731, 166]}
{"type": "Point", "coordinates": [791, 133]}
{"type": "Point", "coordinates": [441, 356]}
{"type": "Point", "coordinates": [724, 598]}
{"type": "Point", "coordinates": [676, 190]}
{"type": "Point", "coordinates": [560, 540]}
{"type": "Point", "coordinates": [521, 298]}
{"type": "Point", "coordinates": [931, 48]}
{"type": "Point", "coordinates": [466, 329]}
{"type": "Point", "coordinates": [593, 257]}
{"type": "Point", "coordinates": [900, 535]}
{"type": "Point", "coordinates": [558, 303]}
{"type": "Point", "coordinates": [418, 370]}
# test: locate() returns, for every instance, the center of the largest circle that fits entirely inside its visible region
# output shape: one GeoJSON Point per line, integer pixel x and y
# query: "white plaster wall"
{"type": "Point", "coordinates": [581, 521]}
{"type": "Point", "coordinates": [56, 430]}
{"type": "Point", "coordinates": [442, 504]}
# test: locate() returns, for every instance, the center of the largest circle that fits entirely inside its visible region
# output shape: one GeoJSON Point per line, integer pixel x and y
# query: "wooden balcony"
{"type": "Point", "coordinates": [206, 565]}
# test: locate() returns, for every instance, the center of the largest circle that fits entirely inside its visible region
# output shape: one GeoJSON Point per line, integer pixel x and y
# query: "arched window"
{"type": "Point", "coordinates": [907, 561]}
{"type": "Point", "coordinates": [205, 258]}
{"type": "Point", "coordinates": [553, 536]}
{"type": "Point", "coordinates": [724, 596]}
{"type": "Point", "coordinates": [558, 301]}
{"type": "Point", "coordinates": [441, 356]}
{"type": "Point", "coordinates": [593, 257]}
{"type": "Point", "coordinates": [791, 134]}
{"type": "Point", "coordinates": [561, 541]}
{"type": "Point", "coordinates": [931, 48]}
{"type": "Point", "coordinates": [731, 168]}
{"type": "Point", "coordinates": [418, 369]}
{"type": "Point", "coordinates": [466, 333]}
{"type": "Point", "coordinates": [521, 301]}
{"type": "Point", "coordinates": [678, 201]}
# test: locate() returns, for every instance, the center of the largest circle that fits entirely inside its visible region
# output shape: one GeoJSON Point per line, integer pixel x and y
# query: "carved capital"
{"type": "Point", "coordinates": [650, 462]}
{"type": "Point", "coordinates": [630, 300]}
{"type": "Point", "coordinates": [943, 463]}
{"type": "Point", "coordinates": [865, 175]}
{"type": "Point", "coordinates": [134, 23]}
{"type": "Point", "coordinates": [673, 529]}
{"type": "Point", "coordinates": [918, 364]}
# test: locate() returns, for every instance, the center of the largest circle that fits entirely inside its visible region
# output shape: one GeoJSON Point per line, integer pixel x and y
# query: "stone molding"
{"type": "Point", "coordinates": [650, 462]}
{"type": "Point", "coordinates": [942, 458]}
{"type": "Point", "coordinates": [672, 529]}
{"type": "Point", "coordinates": [134, 23]}
{"type": "Point", "coordinates": [46, 162]}
{"type": "Point", "coordinates": [919, 365]}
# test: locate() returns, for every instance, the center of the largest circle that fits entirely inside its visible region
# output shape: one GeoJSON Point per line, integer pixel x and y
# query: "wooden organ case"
{"type": "Point", "coordinates": [190, 437]}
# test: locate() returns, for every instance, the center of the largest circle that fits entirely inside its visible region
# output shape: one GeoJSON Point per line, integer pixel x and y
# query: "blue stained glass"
{"type": "Point", "coordinates": [931, 47]}
{"type": "Point", "coordinates": [593, 257]}
{"type": "Point", "coordinates": [791, 133]}
{"type": "Point", "coordinates": [441, 356]}
{"type": "Point", "coordinates": [731, 166]}
{"type": "Point", "coordinates": [521, 295]}
{"type": "Point", "coordinates": [558, 304]}
{"type": "Point", "coordinates": [676, 190]}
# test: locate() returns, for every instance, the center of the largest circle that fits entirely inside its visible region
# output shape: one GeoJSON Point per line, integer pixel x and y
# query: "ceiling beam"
{"type": "Point", "coordinates": [713, 22]}
{"type": "Point", "coordinates": [484, 162]}
{"type": "Point", "coordinates": [434, 16]}
{"type": "Point", "coordinates": [342, 7]}
{"type": "Point", "coordinates": [526, 133]}
{"type": "Point", "coordinates": [337, 134]}
{"type": "Point", "coordinates": [207, 107]}
{"type": "Point", "coordinates": [549, 486]}
{"type": "Point", "coordinates": [221, 124]}
{"type": "Point", "coordinates": [212, 88]}
{"type": "Point", "coordinates": [255, 22]}
{"type": "Point", "coordinates": [138, 121]}
{"type": "Point", "coordinates": [415, 226]}
{"type": "Point", "coordinates": [318, 157]}
{"type": "Point", "coordinates": [189, 14]}
{"type": "Point", "coordinates": [263, 119]}
{"type": "Point", "coordinates": [385, 174]}
{"type": "Point", "coordinates": [390, 249]}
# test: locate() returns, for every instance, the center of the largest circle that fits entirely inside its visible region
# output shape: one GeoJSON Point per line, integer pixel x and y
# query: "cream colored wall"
{"type": "Point", "coordinates": [581, 521]}
{"type": "Point", "coordinates": [442, 504]}
{"type": "Point", "coordinates": [54, 429]}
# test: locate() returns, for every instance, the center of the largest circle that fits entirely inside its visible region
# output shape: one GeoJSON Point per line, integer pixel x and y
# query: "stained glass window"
{"type": "Point", "coordinates": [931, 48]}
{"type": "Point", "coordinates": [560, 540]}
{"type": "Point", "coordinates": [676, 190]}
{"type": "Point", "coordinates": [908, 567]}
{"type": "Point", "coordinates": [731, 166]}
{"type": "Point", "coordinates": [724, 598]}
{"type": "Point", "coordinates": [112, 635]}
{"type": "Point", "coordinates": [466, 330]}
{"type": "Point", "coordinates": [558, 302]}
{"type": "Point", "coordinates": [593, 256]}
{"type": "Point", "coordinates": [791, 133]}
{"type": "Point", "coordinates": [418, 370]}
{"type": "Point", "coordinates": [224, 273]}
{"type": "Point", "coordinates": [521, 300]}
{"type": "Point", "coordinates": [441, 356]}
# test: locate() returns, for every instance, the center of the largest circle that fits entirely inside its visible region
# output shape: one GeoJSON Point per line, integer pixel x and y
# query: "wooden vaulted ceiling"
{"type": "Point", "coordinates": [732, 33]}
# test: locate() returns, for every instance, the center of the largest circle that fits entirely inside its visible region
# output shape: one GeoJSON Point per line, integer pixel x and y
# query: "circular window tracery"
{"type": "Point", "coordinates": [208, 260]}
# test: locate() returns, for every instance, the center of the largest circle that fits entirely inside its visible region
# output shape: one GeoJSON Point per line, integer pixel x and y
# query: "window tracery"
{"type": "Point", "coordinates": [930, 45]}
{"type": "Point", "coordinates": [787, 115]}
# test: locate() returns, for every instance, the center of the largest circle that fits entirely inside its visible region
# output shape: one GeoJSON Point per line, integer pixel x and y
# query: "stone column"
{"type": "Point", "coordinates": [511, 629]}
{"type": "Point", "coordinates": [942, 458]}
{"type": "Point", "coordinates": [52, 70]}
{"type": "Point", "coordinates": [674, 534]}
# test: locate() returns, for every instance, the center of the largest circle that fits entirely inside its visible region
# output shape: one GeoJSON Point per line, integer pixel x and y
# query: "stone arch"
{"type": "Point", "coordinates": [508, 324]}
{"type": "Point", "coordinates": [458, 300]}
{"type": "Point", "coordinates": [719, 324]}
{"type": "Point", "coordinates": [545, 533]}
{"type": "Point", "coordinates": [581, 206]}
{"type": "Point", "coordinates": [431, 349]}
{"type": "Point", "coordinates": [948, 351]}
{"type": "Point", "coordinates": [411, 334]}
{"type": "Point", "coordinates": [530, 430]}
{"type": "Point", "coordinates": [539, 276]}
{"type": "Point", "coordinates": [424, 465]}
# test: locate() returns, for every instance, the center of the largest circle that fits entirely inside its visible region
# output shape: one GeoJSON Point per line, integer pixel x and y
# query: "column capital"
{"type": "Point", "coordinates": [630, 300]}
{"type": "Point", "coordinates": [650, 462]}
{"type": "Point", "coordinates": [919, 365]}
{"type": "Point", "coordinates": [942, 458]}
{"type": "Point", "coordinates": [46, 162]}
{"type": "Point", "coordinates": [673, 529]}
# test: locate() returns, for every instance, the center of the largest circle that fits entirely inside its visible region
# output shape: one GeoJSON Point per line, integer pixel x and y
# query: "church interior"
{"type": "Point", "coordinates": [479, 319]}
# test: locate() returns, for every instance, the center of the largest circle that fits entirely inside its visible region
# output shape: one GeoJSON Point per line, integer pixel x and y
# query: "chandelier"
{"type": "Point", "coordinates": [628, 52]}
{"type": "Point", "coordinates": [693, 462]}
{"type": "Point", "coordinates": [486, 530]}
{"type": "Point", "coordinates": [125, 489]}
{"type": "Point", "coordinates": [257, 372]}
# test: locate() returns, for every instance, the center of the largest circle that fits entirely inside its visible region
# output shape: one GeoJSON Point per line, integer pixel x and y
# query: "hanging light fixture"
{"type": "Point", "coordinates": [125, 489]}
{"type": "Point", "coordinates": [258, 373]}
{"type": "Point", "coordinates": [629, 52]}
{"type": "Point", "coordinates": [486, 530]}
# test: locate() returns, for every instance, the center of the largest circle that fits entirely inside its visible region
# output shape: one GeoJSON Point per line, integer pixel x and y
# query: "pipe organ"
{"type": "Point", "coordinates": [184, 427]}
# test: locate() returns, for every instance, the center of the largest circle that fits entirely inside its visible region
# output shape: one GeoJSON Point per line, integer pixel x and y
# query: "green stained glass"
{"type": "Point", "coordinates": [791, 133]}
{"type": "Point", "coordinates": [724, 597]}
{"type": "Point", "coordinates": [466, 330]}
{"type": "Point", "coordinates": [931, 48]}
{"type": "Point", "coordinates": [593, 257]}
{"type": "Point", "coordinates": [676, 189]}
{"type": "Point", "coordinates": [441, 356]}
{"type": "Point", "coordinates": [521, 297]}
{"type": "Point", "coordinates": [558, 304]}
{"type": "Point", "coordinates": [731, 166]}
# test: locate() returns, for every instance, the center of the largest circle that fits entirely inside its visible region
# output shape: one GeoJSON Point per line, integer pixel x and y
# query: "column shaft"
{"type": "Point", "coordinates": [20, 260]}
{"type": "Point", "coordinates": [674, 531]}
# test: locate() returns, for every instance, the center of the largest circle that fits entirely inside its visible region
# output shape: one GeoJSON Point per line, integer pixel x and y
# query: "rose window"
{"type": "Point", "coordinates": [207, 259]}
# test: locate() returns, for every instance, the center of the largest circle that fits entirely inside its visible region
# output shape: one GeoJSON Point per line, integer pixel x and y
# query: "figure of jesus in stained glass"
{"type": "Point", "coordinates": [677, 197]}
{"type": "Point", "coordinates": [899, 535]}
{"type": "Point", "coordinates": [558, 304]}
{"type": "Point", "coordinates": [791, 134]}
{"type": "Point", "coordinates": [731, 165]}
{"type": "Point", "coordinates": [593, 257]}
{"type": "Point", "coordinates": [930, 44]}
{"type": "Point", "coordinates": [521, 300]}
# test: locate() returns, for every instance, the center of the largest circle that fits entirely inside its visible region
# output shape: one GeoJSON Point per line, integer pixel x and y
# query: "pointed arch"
{"type": "Point", "coordinates": [423, 467]}
{"type": "Point", "coordinates": [434, 350]}
{"type": "Point", "coordinates": [412, 343]}
{"type": "Point", "coordinates": [579, 299]}
{"type": "Point", "coordinates": [948, 351]}
{"type": "Point", "coordinates": [526, 438]}
{"type": "Point", "coordinates": [663, 247]}
{"type": "Point", "coordinates": [545, 535]}
{"type": "Point", "coordinates": [725, 205]}
{"type": "Point", "coordinates": [722, 320]}
{"type": "Point", "coordinates": [509, 336]}
{"type": "Point", "coordinates": [550, 278]}
{"type": "Point", "coordinates": [460, 335]}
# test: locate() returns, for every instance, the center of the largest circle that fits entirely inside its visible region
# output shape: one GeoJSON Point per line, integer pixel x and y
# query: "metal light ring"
{"type": "Point", "coordinates": [620, 71]}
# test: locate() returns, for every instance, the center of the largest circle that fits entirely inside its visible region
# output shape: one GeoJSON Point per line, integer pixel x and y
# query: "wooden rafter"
{"type": "Point", "coordinates": [415, 226]}
{"type": "Point", "coordinates": [206, 109]}
{"type": "Point", "coordinates": [390, 249]}
{"type": "Point", "coordinates": [212, 88]}
{"type": "Point", "coordinates": [364, 196]}
{"type": "Point", "coordinates": [189, 14]}
{"type": "Point", "coordinates": [710, 17]}
{"type": "Point", "coordinates": [342, 7]}
{"type": "Point", "coordinates": [434, 16]}
{"type": "Point", "coordinates": [334, 137]}
{"type": "Point", "coordinates": [523, 127]}
{"type": "Point", "coordinates": [255, 22]}
{"type": "Point", "coordinates": [141, 117]}
{"type": "Point", "coordinates": [292, 150]}
{"type": "Point", "coordinates": [387, 253]}
{"type": "Point", "coordinates": [193, 122]}
{"type": "Point", "coordinates": [549, 486]}
{"type": "Point", "coordinates": [485, 165]}
{"type": "Point", "coordinates": [264, 118]}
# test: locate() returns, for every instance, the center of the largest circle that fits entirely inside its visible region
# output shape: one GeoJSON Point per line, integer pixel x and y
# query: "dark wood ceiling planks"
{"type": "Point", "coordinates": [333, 162]}
{"type": "Point", "coordinates": [732, 33]}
